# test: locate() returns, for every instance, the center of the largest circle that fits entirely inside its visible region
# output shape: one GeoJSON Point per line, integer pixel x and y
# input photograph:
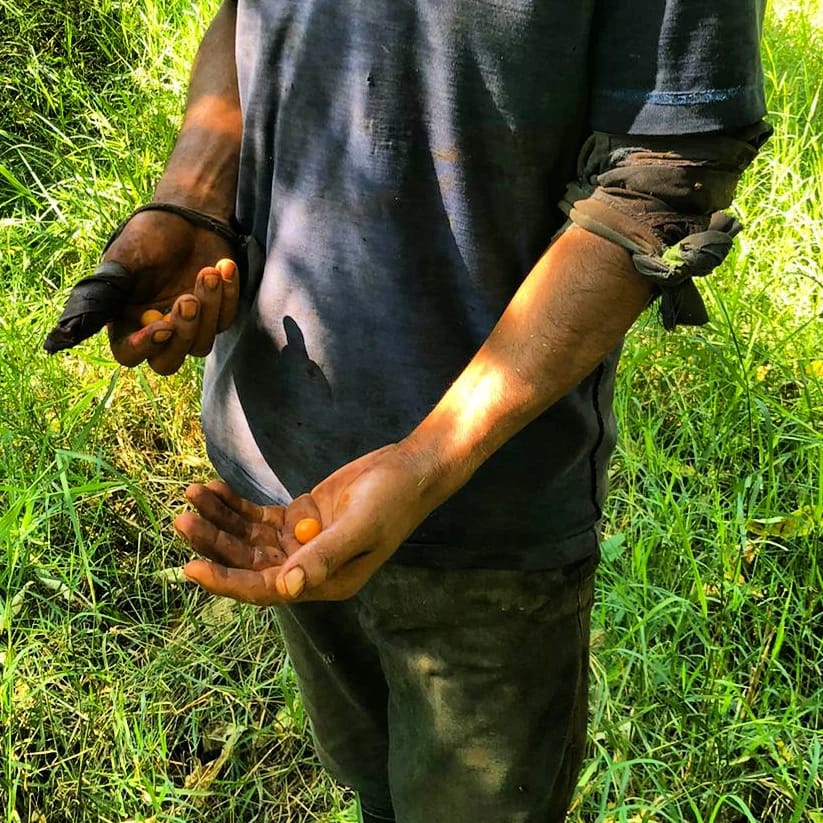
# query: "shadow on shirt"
{"type": "Point", "coordinates": [289, 405]}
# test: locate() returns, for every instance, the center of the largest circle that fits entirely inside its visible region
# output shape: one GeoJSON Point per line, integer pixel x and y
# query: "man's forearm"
{"type": "Point", "coordinates": [202, 170]}
{"type": "Point", "coordinates": [570, 312]}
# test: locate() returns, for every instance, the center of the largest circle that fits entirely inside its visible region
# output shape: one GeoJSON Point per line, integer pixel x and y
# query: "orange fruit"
{"type": "Point", "coordinates": [225, 266]}
{"type": "Point", "coordinates": [150, 316]}
{"type": "Point", "coordinates": [307, 529]}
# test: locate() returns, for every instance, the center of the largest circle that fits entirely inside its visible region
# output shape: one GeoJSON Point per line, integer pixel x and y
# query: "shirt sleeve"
{"type": "Point", "coordinates": [676, 66]}
{"type": "Point", "coordinates": [661, 198]}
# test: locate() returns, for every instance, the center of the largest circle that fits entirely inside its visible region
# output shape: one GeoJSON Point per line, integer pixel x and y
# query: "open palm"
{"type": "Point", "coordinates": [366, 508]}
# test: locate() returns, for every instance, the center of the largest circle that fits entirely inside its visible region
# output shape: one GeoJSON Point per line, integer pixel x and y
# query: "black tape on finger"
{"type": "Point", "coordinates": [93, 302]}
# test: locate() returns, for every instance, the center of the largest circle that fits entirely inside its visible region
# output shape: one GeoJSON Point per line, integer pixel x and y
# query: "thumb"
{"type": "Point", "coordinates": [93, 301]}
{"type": "Point", "coordinates": [315, 562]}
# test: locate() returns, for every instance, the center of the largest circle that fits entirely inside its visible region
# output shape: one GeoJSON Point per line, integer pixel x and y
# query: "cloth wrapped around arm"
{"type": "Point", "coordinates": [661, 198]}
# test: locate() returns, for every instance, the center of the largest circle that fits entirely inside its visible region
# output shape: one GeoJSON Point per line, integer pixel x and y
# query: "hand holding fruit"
{"type": "Point", "coordinates": [267, 554]}
{"type": "Point", "coordinates": [158, 261]}
{"type": "Point", "coordinates": [165, 335]}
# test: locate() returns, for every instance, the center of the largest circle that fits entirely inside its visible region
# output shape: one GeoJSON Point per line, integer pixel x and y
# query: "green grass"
{"type": "Point", "coordinates": [126, 698]}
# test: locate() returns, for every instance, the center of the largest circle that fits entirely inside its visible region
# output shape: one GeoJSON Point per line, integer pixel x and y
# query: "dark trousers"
{"type": "Point", "coordinates": [450, 696]}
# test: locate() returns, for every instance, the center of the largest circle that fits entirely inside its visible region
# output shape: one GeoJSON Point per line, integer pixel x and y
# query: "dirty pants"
{"type": "Point", "coordinates": [450, 696]}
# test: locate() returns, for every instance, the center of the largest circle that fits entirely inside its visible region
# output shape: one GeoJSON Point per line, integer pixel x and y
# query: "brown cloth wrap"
{"type": "Point", "coordinates": [661, 198]}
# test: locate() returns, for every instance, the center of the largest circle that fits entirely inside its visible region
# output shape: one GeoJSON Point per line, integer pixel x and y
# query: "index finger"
{"type": "Point", "coordinates": [231, 293]}
{"type": "Point", "coordinates": [132, 349]}
{"type": "Point", "coordinates": [185, 317]}
{"type": "Point", "coordinates": [271, 514]}
{"type": "Point", "coordinates": [233, 514]}
{"type": "Point", "coordinates": [239, 584]}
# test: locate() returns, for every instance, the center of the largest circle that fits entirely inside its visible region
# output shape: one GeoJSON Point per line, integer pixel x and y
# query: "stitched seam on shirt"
{"type": "Point", "coordinates": [217, 455]}
{"type": "Point", "coordinates": [675, 98]}
{"type": "Point", "coordinates": [601, 434]}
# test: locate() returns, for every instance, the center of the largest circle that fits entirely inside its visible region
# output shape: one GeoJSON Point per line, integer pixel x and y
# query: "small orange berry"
{"type": "Point", "coordinates": [307, 529]}
{"type": "Point", "coordinates": [150, 316]}
{"type": "Point", "coordinates": [226, 267]}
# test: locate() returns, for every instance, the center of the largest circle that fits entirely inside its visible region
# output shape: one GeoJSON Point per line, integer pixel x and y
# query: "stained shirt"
{"type": "Point", "coordinates": [401, 166]}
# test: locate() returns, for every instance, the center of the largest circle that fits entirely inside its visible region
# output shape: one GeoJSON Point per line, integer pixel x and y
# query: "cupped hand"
{"type": "Point", "coordinates": [366, 509]}
{"type": "Point", "coordinates": [173, 263]}
{"type": "Point", "coordinates": [241, 538]}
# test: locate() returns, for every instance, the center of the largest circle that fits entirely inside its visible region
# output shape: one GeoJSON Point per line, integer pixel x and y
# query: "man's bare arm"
{"type": "Point", "coordinates": [574, 307]}
{"type": "Point", "coordinates": [162, 265]}
{"type": "Point", "coordinates": [202, 170]}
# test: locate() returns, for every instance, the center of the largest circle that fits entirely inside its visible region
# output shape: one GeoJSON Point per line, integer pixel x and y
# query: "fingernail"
{"type": "Point", "coordinates": [161, 336]}
{"type": "Point", "coordinates": [295, 581]}
{"type": "Point", "coordinates": [211, 281]}
{"type": "Point", "coordinates": [188, 309]}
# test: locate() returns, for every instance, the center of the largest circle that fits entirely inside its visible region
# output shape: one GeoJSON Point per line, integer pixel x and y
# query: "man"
{"type": "Point", "coordinates": [408, 364]}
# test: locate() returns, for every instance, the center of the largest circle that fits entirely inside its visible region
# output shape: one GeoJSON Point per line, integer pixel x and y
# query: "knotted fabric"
{"type": "Point", "coordinates": [661, 198]}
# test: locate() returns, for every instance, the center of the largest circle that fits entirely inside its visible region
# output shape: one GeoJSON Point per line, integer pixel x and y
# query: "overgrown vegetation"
{"type": "Point", "coordinates": [124, 697]}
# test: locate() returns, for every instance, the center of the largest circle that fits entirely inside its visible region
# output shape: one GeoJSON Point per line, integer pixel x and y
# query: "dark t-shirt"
{"type": "Point", "coordinates": [401, 165]}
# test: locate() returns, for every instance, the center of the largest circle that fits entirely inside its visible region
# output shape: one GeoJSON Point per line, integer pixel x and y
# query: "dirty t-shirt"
{"type": "Point", "coordinates": [401, 165]}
